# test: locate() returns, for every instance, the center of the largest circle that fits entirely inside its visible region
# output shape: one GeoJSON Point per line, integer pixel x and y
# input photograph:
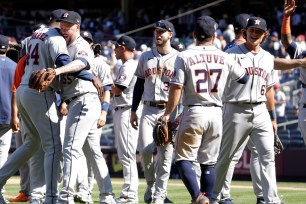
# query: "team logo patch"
{"type": "Point", "coordinates": [122, 78]}
{"type": "Point", "coordinates": [82, 53]}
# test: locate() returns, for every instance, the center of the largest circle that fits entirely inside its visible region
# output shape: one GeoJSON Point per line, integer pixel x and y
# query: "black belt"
{"type": "Point", "coordinates": [121, 107]}
{"type": "Point", "coordinates": [157, 104]}
{"type": "Point", "coordinates": [69, 100]}
{"type": "Point", "coordinates": [303, 85]}
{"type": "Point", "coordinates": [205, 105]}
{"type": "Point", "coordinates": [249, 103]}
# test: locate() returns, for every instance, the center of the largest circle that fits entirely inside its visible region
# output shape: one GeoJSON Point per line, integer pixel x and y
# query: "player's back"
{"type": "Point", "coordinates": [44, 46]}
{"type": "Point", "coordinates": [204, 71]}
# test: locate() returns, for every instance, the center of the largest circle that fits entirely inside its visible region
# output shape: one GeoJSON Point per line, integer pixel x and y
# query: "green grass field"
{"type": "Point", "coordinates": [242, 192]}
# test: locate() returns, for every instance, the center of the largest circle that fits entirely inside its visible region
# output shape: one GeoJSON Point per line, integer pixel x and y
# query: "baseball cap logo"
{"type": "Point", "coordinates": [65, 15]}
{"type": "Point", "coordinates": [257, 22]}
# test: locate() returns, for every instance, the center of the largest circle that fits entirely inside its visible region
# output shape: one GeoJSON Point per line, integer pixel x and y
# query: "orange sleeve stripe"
{"type": "Point", "coordinates": [286, 25]}
{"type": "Point", "coordinates": [19, 73]}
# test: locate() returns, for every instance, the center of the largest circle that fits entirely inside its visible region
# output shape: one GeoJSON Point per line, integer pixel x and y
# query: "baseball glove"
{"type": "Point", "coordinates": [41, 79]}
{"type": "Point", "coordinates": [278, 146]}
{"type": "Point", "coordinates": [162, 132]}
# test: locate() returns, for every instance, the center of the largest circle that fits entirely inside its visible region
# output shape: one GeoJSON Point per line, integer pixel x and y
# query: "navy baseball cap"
{"type": "Point", "coordinates": [257, 22]}
{"type": "Point", "coordinates": [71, 17]}
{"type": "Point", "coordinates": [241, 21]}
{"type": "Point", "coordinates": [86, 35]}
{"type": "Point", "coordinates": [164, 25]}
{"type": "Point", "coordinates": [38, 26]}
{"type": "Point", "coordinates": [4, 42]}
{"type": "Point", "coordinates": [126, 41]}
{"type": "Point", "coordinates": [56, 14]}
{"type": "Point", "coordinates": [205, 27]}
{"type": "Point", "coordinates": [178, 46]}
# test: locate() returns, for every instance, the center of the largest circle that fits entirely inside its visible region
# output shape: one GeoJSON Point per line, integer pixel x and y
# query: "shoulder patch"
{"type": "Point", "coordinates": [122, 78]}
{"type": "Point", "coordinates": [82, 53]}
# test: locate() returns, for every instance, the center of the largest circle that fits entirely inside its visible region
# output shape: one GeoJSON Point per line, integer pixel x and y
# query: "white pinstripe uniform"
{"type": "Point", "coordinates": [157, 70]}
{"type": "Point", "coordinates": [39, 113]}
{"type": "Point", "coordinates": [81, 128]}
{"type": "Point", "coordinates": [245, 114]}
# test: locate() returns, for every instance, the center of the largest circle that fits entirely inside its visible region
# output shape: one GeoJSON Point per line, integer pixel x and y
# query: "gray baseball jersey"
{"type": "Point", "coordinates": [125, 77]}
{"type": "Point", "coordinates": [37, 45]}
{"type": "Point", "coordinates": [102, 70]}
{"type": "Point", "coordinates": [204, 71]}
{"type": "Point", "coordinates": [157, 70]}
{"type": "Point", "coordinates": [260, 67]}
{"type": "Point", "coordinates": [73, 86]}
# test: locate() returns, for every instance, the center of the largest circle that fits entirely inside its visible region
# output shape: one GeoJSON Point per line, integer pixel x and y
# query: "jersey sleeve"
{"type": "Point", "coordinates": [140, 70]}
{"type": "Point", "coordinates": [125, 74]}
{"type": "Point", "coordinates": [235, 70]}
{"type": "Point", "coordinates": [19, 71]}
{"type": "Point", "coordinates": [102, 71]}
{"type": "Point", "coordinates": [179, 71]}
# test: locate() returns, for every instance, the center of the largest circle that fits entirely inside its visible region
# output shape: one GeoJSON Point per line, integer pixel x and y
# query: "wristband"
{"type": "Point", "coordinates": [105, 106]}
{"type": "Point", "coordinates": [272, 114]}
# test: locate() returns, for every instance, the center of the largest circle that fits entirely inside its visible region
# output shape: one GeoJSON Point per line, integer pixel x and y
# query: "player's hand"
{"type": "Point", "coordinates": [102, 119]}
{"type": "Point", "coordinates": [63, 109]}
{"type": "Point", "coordinates": [15, 124]}
{"type": "Point", "coordinates": [289, 7]}
{"type": "Point", "coordinates": [99, 86]}
{"type": "Point", "coordinates": [274, 125]}
{"type": "Point", "coordinates": [134, 120]}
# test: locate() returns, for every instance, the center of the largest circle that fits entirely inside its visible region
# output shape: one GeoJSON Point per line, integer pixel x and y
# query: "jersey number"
{"type": "Point", "coordinates": [33, 54]}
{"type": "Point", "coordinates": [206, 75]}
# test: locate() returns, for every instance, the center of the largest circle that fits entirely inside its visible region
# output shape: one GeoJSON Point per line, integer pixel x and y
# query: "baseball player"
{"type": "Point", "coordinates": [126, 136]}
{"type": "Point", "coordinates": [83, 119]}
{"type": "Point", "coordinates": [7, 70]}
{"type": "Point", "coordinates": [154, 71]}
{"type": "Point", "coordinates": [295, 51]}
{"type": "Point", "coordinates": [202, 80]}
{"type": "Point", "coordinates": [240, 22]}
{"type": "Point", "coordinates": [249, 111]}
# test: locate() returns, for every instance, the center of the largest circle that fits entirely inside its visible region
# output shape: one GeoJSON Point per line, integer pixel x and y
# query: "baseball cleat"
{"type": "Point", "coordinates": [167, 200]}
{"type": "Point", "coordinates": [126, 200]}
{"type": "Point", "coordinates": [227, 201]}
{"type": "Point", "coordinates": [201, 199]}
{"type": "Point", "coordinates": [22, 197]}
{"type": "Point", "coordinates": [260, 200]}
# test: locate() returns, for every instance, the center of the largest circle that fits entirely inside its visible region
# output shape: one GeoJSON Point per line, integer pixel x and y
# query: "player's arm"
{"type": "Point", "coordinates": [174, 99]}
{"type": "Point", "coordinates": [137, 94]}
{"type": "Point", "coordinates": [19, 71]}
{"type": "Point", "coordinates": [271, 107]}
{"type": "Point", "coordinates": [104, 106]}
{"type": "Point", "coordinates": [289, 8]}
{"type": "Point", "coordinates": [284, 64]}
{"type": "Point", "coordinates": [117, 89]}
{"type": "Point", "coordinates": [65, 65]}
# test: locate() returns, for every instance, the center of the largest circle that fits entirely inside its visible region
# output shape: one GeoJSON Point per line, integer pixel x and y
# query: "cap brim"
{"type": "Point", "coordinates": [157, 27]}
{"type": "Point", "coordinates": [114, 42]}
{"type": "Point", "coordinates": [255, 27]}
{"type": "Point", "coordinates": [68, 21]}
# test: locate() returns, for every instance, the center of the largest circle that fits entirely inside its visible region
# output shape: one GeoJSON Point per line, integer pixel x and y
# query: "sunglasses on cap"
{"type": "Point", "coordinates": [163, 26]}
